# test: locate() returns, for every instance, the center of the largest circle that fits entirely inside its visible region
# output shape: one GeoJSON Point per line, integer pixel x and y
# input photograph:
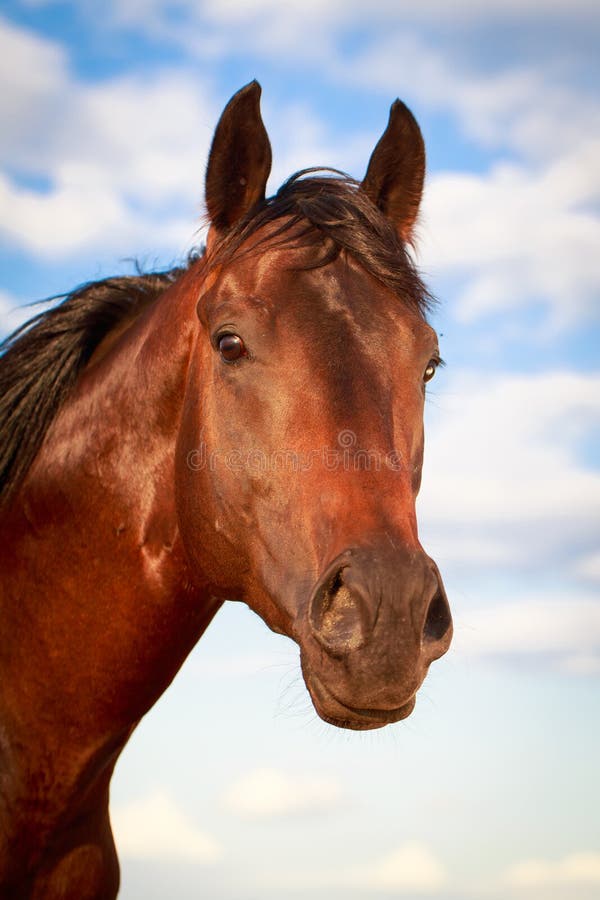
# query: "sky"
{"type": "Point", "coordinates": [232, 788]}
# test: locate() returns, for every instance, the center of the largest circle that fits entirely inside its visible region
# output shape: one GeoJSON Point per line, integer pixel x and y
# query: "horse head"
{"type": "Point", "coordinates": [300, 447]}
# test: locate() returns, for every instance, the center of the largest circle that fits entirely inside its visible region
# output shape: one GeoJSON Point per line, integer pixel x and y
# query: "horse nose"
{"type": "Point", "coordinates": [400, 594]}
{"type": "Point", "coordinates": [340, 611]}
{"type": "Point", "coordinates": [437, 627]}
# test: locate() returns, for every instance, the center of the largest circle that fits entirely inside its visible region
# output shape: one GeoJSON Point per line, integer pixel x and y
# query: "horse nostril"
{"type": "Point", "coordinates": [337, 616]}
{"type": "Point", "coordinates": [438, 620]}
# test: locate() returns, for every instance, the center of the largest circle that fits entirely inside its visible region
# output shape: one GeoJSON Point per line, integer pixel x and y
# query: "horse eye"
{"type": "Point", "coordinates": [231, 347]}
{"type": "Point", "coordinates": [430, 370]}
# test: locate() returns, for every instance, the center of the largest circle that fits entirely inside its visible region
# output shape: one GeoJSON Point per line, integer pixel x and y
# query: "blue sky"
{"type": "Point", "coordinates": [232, 788]}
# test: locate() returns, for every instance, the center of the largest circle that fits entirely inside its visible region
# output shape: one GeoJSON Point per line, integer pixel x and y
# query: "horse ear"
{"type": "Point", "coordinates": [396, 170]}
{"type": "Point", "coordinates": [239, 161]}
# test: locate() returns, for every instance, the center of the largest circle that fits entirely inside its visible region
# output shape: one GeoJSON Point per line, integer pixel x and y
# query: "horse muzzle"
{"type": "Point", "coordinates": [377, 618]}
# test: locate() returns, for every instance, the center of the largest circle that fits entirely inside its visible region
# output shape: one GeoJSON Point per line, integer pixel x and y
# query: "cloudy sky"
{"type": "Point", "coordinates": [232, 788]}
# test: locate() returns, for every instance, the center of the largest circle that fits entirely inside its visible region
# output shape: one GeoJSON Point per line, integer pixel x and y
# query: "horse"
{"type": "Point", "coordinates": [246, 426]}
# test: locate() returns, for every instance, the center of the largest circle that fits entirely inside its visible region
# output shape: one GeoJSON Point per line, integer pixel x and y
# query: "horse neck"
{"type": "Point", "coordinates": [97, 595]}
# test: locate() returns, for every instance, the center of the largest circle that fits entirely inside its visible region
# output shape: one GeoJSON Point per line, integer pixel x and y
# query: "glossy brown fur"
{"type": "Point", "coordinates": [143, 509]}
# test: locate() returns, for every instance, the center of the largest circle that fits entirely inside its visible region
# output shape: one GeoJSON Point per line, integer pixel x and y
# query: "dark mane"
{"type": "Point", "coordinates": [332, 205]}
{"type": "Point", "coordinates": [41, 361]}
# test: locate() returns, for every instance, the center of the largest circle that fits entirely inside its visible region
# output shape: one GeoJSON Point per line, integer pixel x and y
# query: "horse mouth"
{"type": "Point", "coordinates": [337, 713]}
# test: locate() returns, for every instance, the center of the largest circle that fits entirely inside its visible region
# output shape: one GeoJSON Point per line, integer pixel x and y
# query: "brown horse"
{"type": "Point", "coordinates": [248, 426]}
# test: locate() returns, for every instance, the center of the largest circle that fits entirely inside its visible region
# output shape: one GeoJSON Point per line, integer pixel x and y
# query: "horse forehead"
{"type": "Point", "coordinates": [286, 284]}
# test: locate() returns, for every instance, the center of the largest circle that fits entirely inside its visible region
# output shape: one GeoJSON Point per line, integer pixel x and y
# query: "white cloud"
{"type": "Point", "coordinates": [118, 157]}
{"type": "Point", "coordinates": [145, 134]}
{"type": "Point", "coordinates": [409, 869]}
{"type": "Point", "coordinates": [520, 232]}
{"type": "Point", "coordinates": [74, 216]}
{"type": "Point", "coordinates": [33, 72]}
{"type": "Point", "coordinates": [155, 828]}
{"type": "Point", "coordinates": [301, 140]}
{"type": "Point", "coordinates": [517, 233]}
{"type": "Point", "coordinates": [269, 793]}
{"type": "Point", "coordinates": [495, 108]}
{"type": "Point", "coordinates": [321, 15]}
{"type": "Point", "coordinates": [581, 663]}
{"type": "Point", "coordinates": [412, 868]}
{"type": "Point", "coordinates": [564, 629]}
{"type": "Point", "coordinates": [499, 107]}
{"type": "Point", "coordinates": [149, 134]}
{"type": "Point", "coordinates": [502, 466]}
{"type": "Point", "coordinates": [13, 313]}
{"type": "Point", "coordinates": [588, 567]}
{"type": "Point", "coordinates": [576, 869]}
{"type": "Point", "coordinates": [123, 159]}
